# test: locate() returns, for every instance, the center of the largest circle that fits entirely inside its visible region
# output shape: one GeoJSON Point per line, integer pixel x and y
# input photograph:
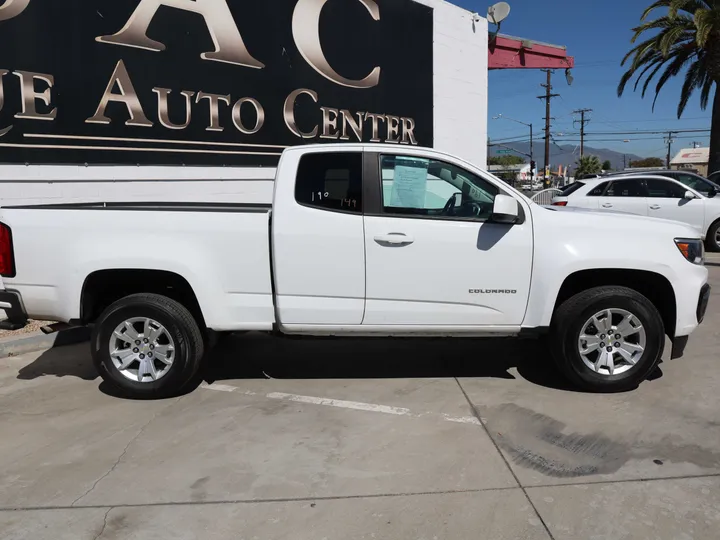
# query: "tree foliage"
{"type": "Point", "coordinates": [588, 165]}
{"type": "Point", "coordinates": [648, 162]}
{"type": "Point", "coordinates": [606, 166]}
{"type": "Point", "coordinates": [505, 161]}
{"type": "Point", "coordinates": [686, 38]}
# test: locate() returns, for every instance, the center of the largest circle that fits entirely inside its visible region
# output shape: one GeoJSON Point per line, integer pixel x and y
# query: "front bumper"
{"type": "Point", "coordinates": [12, 303]}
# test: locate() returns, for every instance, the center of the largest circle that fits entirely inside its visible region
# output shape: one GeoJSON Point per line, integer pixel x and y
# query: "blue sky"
{"type": "Point", "coordinates": [598, 35]}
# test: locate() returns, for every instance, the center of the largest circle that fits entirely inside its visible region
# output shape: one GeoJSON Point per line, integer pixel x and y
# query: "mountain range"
{"type": "Point", "coordinates": [565, 155]}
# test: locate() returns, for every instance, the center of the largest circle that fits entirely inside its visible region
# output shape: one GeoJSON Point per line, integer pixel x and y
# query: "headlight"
{"type": "Point", "coordinates": [692, 249]}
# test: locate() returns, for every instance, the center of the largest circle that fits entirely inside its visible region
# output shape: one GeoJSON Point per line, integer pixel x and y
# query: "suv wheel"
{"type": "Point", "coordinates": [607, 339]}
{"type": "Point", "coordinates": [712, 240]}
{"type": "Point", "coordinates": [147, 346]}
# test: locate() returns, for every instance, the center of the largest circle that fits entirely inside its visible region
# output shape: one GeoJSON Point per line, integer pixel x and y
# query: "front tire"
{"type": "Point", "coordinates": [607, 339]}
{"type": "Point", "coordinates": [712, 240]}
{"type": "Point", "coordinates": [147, 346]}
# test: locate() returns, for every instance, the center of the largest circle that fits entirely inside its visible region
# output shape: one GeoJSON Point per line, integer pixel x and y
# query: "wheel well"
{"type": "Point", "coordinates": [103, 288]}
{"type": "Point", "coordinates": [707, 233]}
{"type": "Point", "coordinates": [654, 287]}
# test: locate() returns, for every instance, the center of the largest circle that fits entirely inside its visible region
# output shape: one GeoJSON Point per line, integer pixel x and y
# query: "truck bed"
{"type": "Point", "coordinates": [222, 250]}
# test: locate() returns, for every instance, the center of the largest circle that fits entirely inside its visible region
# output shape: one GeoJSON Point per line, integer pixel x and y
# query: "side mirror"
{"type": "Point", "coordinates": [689, 195]}
{"type": "Point", "coordinates": [712, 193]}
{"type": "Point", "coordinates": [505, 210]}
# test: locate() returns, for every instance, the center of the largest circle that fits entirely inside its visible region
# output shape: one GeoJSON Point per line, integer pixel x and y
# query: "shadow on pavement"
{"type": "Point", "coordinates": [259, 356]}
{"type": "Point", "coordinates": [256, 356]}
{"type": "Point", "coordinates": [71, 361]}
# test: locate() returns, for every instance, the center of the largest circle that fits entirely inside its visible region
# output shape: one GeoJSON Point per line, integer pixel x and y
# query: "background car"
{"type": "Point", "coordinates": [694, 181]}
{"type": "Point", "coordinates": [648, 195]}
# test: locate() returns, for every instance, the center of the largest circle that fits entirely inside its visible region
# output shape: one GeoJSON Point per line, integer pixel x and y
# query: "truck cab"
{"type": "Point", "coordinates": [394, 239]}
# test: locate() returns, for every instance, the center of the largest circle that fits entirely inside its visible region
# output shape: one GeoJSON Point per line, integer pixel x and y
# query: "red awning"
{"type": "Point", "coordinates": [508, 52]}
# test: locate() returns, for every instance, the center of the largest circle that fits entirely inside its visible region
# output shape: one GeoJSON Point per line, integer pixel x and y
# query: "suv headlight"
{"type": "Point", "coordinates": [692, 249]}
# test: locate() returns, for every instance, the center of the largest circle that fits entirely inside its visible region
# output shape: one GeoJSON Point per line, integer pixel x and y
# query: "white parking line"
{"type": "Point", "coordinates": [370, 407]}
{"type": "Point", "coordinates": [343, 404]}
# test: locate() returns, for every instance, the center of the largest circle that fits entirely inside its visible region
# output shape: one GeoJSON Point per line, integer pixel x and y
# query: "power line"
{"type": "Point", "coordinates": [645, 132]}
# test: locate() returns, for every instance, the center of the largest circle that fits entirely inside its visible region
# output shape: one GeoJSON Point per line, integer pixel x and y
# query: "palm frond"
{"type": "Point", "coordinates": [688, 6]}
{"type": "Point", "coordinates": [693, 78]}
{"type": "Point", "coordinates": [670, 71]}
{"type": "Point", "coordinates": [705, 94]}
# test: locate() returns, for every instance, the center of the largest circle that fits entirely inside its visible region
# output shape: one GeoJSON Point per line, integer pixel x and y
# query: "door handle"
{"type": "Point", "coordinates": [607, 205]}
{"type": "Point", "coordinates": [394, 239]}
{"type": "Point", "coordinates": [655, 207]}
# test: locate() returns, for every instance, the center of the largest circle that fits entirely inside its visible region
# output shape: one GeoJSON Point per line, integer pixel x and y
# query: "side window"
{"type": "Point", "coordinates": [598, 190]}
{"type": "Point", "coordinates": [664, 189]}
{"type": "Point", "coordinates": [626, 188]}
{"type": "Point", "coordinates": [426, 187]}
{"type": "Point", "coordinates": [694, 182]}
{"type": "Point", "coordinates": [330, 181]}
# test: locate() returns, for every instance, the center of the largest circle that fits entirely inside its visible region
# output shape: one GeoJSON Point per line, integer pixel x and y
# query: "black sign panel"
{"type": "Point", "coordinates": [209, 82]}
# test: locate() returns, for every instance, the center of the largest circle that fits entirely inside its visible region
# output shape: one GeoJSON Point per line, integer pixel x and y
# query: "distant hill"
{"type": "Point", "coordinates": [565, 155]}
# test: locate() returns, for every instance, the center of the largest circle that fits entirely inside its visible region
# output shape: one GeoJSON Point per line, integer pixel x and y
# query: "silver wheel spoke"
{"type": "Point", "coordinates": [592, 343]}
{"type": "Point", "coordinates": [601, 361]}
{"type": "Point", "coordinates": [633, 348]}
{"type": "Point", "coordinates": [126, 357]}
{"type": "Point", "coordinates": [626, 327]}
{"type": "Point", "coordinates": [162, 353]}
{"type": "Point", "coordinates": [611, 363]}
{"type": "Point", "coordinates": [152, 333]}
{"type": "Point", "coordinates": [147, 367]}
{"type": "Point", "coordinates": [124, 336]}
{"type": "Point", "coordinates": [627, 355]}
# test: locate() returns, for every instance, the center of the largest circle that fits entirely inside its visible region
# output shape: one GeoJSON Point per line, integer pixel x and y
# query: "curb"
{"type": "Point", "coordinates": [15, 346]}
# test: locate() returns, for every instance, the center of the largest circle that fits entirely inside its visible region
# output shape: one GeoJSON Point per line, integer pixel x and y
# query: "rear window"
{"type": "Point", "coordinates": [330, 181]}
{"type": "Point", "coordinates": [599, 190]}
{"type": "Point", "coordinates": [572, 188]}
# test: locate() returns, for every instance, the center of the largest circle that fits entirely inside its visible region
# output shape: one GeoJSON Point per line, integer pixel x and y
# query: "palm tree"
{"type": "Point", "coordinates": [588, 165]}
{"type": "Point", "coordinates": [687, 38]}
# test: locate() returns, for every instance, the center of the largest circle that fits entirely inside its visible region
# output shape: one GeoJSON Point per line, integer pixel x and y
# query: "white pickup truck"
{"type": "Point", "coordinates": [360, 240]}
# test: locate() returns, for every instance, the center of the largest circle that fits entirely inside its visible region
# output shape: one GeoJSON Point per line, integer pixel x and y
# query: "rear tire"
{"type": "Point", "coordinates": [147, 346]}
{"type": "Point", "coordinates": [626, 324]}
{"type": "Point", "coordinates": [712, 240]}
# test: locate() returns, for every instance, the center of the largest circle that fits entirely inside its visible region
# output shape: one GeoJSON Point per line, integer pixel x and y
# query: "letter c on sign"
{"type": "Point", "coordinates": [12, 8]}
{"type": "Point", "coordinates": [306, 32]}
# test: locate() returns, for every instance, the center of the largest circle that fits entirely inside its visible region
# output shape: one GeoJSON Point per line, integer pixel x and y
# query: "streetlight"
{"type": "Point", "coordinates": [532, 160]}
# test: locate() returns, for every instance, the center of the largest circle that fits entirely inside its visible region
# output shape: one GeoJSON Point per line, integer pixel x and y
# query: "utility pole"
{"type": "Point", "coordinates": [547, 97]}
{"type": "Point", "coordinates": [583, 123]}
{"type": "Point", "coordinates": [624, 161]}
{"type": "Point", "coordinates": [669, 141]}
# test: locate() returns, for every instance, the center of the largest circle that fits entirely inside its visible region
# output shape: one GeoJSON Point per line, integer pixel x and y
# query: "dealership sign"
{"type": "Point", "coordinates": [210, 81]}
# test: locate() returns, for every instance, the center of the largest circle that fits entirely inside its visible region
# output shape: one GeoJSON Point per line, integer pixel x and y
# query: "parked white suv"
{"type": "Point", "coordinates": [648, 195]}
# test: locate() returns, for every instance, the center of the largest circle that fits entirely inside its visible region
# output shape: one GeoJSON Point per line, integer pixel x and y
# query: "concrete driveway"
{"type": "Point", "coordinates": [350, 439]}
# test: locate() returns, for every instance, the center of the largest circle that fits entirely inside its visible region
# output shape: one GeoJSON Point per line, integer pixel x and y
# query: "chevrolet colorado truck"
{"type": "Point", "coordinates": [360, 240]}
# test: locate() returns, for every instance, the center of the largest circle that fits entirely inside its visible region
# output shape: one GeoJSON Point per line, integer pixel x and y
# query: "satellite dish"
{"type": "Point", "coordinates": [499, 12]}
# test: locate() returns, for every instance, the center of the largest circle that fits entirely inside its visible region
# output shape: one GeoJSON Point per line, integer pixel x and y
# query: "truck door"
{"type": "Point", "coordinates": [433, 257]}
{"type": "Point", "coordinates": [318, 239]}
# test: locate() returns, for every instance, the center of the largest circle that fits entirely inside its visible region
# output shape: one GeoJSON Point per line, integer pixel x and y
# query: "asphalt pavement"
{"type": "Point", "coordinates": [349, 439]}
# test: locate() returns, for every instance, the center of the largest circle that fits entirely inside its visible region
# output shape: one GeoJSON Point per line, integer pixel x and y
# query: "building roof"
{"type": "Point", "coordinates": [691, 156]}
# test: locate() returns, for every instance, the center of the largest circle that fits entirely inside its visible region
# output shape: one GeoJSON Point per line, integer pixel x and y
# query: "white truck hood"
{"type": "Point", "coordinates": [635, 223]}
